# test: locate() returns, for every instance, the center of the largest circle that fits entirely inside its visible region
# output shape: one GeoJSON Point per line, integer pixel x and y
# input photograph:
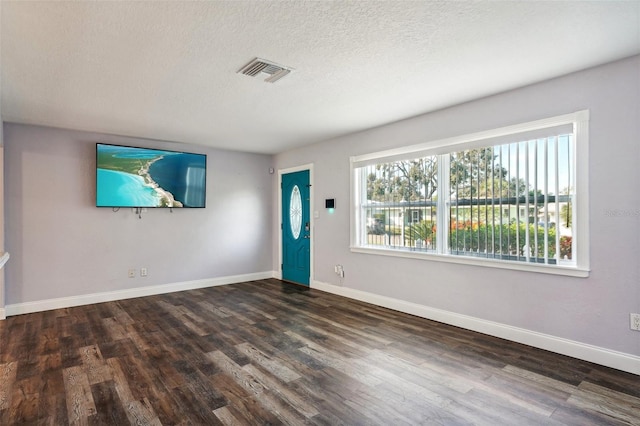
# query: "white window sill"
{"type": "Point", "coordinates": [570, 271]}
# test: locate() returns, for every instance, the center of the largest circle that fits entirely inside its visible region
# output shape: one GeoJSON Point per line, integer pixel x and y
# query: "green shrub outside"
{"type": "Point", "coordinates": [507, 239]}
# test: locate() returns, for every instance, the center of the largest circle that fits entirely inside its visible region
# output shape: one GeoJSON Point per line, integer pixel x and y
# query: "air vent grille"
{"type": "Point", "coordinates": [255, 68]}
{"type": "Point", "coordinates": [273, 72]}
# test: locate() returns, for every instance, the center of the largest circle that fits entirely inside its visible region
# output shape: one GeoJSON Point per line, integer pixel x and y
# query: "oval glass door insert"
{"type": "Point", "coordinates": [295, 212]}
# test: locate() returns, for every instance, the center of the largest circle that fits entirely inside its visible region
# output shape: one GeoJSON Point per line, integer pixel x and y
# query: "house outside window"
{"type": "Point", "coordinates": [512, 198]}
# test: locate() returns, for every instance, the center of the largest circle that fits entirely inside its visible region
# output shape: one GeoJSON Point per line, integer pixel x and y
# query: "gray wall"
{"type": "Point", "coordinates": [2, 245]}
{"type": "Point", "coordinates": [592, 310]}
{"type": "Point", "coordinates": [62, 245]}
{"type": "Point", "coordinates": [1, 186]}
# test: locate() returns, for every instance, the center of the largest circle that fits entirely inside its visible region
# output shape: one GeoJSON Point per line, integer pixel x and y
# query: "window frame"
{"type": "Point", "coordinates": [580, 123]}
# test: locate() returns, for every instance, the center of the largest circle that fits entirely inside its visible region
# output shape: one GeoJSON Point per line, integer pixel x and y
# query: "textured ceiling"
{"type": "Point", "coordinates": [167, 70]}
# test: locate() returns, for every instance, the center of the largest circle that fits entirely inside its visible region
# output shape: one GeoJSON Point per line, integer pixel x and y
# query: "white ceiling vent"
{"type": "Point", "coordinates": [272, 71]}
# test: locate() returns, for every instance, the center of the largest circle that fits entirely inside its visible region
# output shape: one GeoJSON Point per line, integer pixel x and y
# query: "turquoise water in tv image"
{"type": "Point", "coordinates": [141, 177]}
{"type": "Point", "coordinates": [124, 189]}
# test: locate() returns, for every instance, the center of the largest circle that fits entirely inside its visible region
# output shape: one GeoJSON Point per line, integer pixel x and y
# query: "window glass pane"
{"type": "Point", "coordinates": [399, 205]}
{"type": "Point", "coordinates": [513, 201]}
{"type": "Point", "coordinates": [295, 212]}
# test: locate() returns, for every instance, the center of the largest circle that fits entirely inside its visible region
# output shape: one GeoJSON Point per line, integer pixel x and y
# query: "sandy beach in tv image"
{"type": "Point", "coordinates": [139, 177]}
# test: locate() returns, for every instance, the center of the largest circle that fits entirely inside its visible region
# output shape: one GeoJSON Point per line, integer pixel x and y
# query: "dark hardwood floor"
{"type": "Point", "coordinates": [266, 352]}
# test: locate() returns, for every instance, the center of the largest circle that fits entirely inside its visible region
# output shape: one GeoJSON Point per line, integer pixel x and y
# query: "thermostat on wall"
{"type": "Point", "coordinates": [330, 203]}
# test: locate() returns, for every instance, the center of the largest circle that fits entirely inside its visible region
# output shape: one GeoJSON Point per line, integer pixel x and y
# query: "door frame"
{"type": "Point", "coordinates": [311, 218]}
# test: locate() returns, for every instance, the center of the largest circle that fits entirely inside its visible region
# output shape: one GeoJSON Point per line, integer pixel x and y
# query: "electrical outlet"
{"type": "Point", "coordinates": [143, 272]}
{"type": "Point", "coordinates": [634, 321]}
{"type": "Point", "coordinates": [132, 273]}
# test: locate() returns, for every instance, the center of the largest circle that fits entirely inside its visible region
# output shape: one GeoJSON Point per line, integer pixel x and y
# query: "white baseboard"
{"type": "Point", "coordinates": [3, 315]}
{"type": "Point", "coordinates": [86, 299]}
{"type": "Point", "coordinates": [618, 360]}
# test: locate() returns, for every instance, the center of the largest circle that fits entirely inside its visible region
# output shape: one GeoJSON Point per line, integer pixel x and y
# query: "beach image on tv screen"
{"type": "Point", "coordinates": [140, 177]}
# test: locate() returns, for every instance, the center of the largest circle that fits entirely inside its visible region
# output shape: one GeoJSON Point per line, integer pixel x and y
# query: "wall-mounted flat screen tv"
{"type": "Point", "coordinates": [140, 177]}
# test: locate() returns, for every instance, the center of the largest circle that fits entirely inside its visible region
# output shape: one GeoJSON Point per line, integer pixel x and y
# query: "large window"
{"type": "Point", "coordinates": [514, 197]}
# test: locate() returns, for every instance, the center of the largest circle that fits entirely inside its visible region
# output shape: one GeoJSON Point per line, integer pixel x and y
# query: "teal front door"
{"type": "Point", "coordinates": [296, 228]}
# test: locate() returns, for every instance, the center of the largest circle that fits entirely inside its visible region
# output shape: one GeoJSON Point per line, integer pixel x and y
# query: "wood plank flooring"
{"type": "Point", "coordinates": [268, 353]}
